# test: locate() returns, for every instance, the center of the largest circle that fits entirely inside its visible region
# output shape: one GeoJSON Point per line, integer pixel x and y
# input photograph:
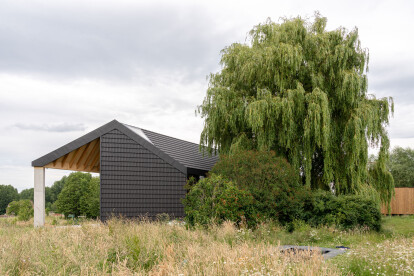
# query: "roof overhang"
{"type": "Point", "coordinates": [85, 159]}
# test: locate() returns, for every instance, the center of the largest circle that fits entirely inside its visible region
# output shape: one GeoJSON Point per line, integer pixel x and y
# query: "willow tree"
{"type": "Point", "coordinates": [301, 91]}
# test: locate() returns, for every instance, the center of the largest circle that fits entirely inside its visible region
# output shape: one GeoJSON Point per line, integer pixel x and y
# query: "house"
{"type": "Point", "coordinates": [141, 172]}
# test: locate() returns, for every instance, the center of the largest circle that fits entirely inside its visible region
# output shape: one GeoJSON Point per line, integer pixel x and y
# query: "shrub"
{"type": "Point", "coordinates": [13, 208]}
{"type": "Point", "coordinates": [215, 198]}
{"type": "Point", "coordinates": [344, 211]}
{"type": "Point", "coordinates": [271, 180]}
{"type": "Point", "coordinates": [23, 209]}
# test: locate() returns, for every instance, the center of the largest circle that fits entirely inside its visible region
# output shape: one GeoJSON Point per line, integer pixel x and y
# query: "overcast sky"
{"type": "Point", "coordinates": [68, 67]}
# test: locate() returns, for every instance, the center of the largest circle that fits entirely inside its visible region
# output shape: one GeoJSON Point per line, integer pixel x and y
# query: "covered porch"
{"type": "Point", "coordinates": [85, 158]}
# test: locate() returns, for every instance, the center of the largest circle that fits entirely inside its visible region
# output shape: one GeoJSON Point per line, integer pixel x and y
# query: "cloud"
{"type": "Point", "coordinates": [393, 79]}
{"type": "Point", "coordinates": [60, 127]}
{"type": "Point", "coordinates": [109, 42]}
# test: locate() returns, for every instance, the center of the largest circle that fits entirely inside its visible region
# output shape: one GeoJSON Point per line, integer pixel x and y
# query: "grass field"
{"type": "Point", "coordinates": [147, 248]}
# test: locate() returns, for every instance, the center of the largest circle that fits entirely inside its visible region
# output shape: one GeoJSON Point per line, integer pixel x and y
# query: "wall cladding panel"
{"type": "Point", "coordinates": [135, 182]}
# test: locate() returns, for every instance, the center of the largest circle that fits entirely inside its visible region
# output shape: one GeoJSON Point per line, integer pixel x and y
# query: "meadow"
{"type": "Point", "coordinates": [125, 247]}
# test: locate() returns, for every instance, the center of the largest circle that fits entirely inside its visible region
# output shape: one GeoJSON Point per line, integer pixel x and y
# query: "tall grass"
{"type": "Point", "coordinates": [125, 247]}
{"type": "Point", "coordinates": [122, 247]}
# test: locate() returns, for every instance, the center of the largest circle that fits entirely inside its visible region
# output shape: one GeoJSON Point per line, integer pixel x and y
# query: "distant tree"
{"type": "Point", "coordinates": [27, 194]}
{"type": "Point", "coordinates": [401, 165]}
{"type": "Point", "coordinates": [7, 194]}
{"type": "Point", "coordinates": [57, 187]}
{"type": "Point", "coordinates": [23, 209]}
{"type": "Point", "coordinates": [80, 195]}
{"type": "Point", "coordinates": [301, 91]}
{"type": "Point", "coordinates": [93, 201]}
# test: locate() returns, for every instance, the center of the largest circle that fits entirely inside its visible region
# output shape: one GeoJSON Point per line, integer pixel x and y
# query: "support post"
{"type": "Point", "coordinates": [39, 196]}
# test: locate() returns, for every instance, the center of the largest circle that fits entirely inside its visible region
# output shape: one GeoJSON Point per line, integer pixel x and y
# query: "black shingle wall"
{"type": "Point", "coordinates": [136, 182]}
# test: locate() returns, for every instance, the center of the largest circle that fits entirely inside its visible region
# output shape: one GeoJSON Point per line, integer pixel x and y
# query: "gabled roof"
{"type": "Point", "coordinates": [186, 153]}
{"type": "Point", "coordinates": [180, 154]}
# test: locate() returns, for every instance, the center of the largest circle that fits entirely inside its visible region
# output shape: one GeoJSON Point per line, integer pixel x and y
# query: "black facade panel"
{"type": "Point", "coordinates": [136, 182]}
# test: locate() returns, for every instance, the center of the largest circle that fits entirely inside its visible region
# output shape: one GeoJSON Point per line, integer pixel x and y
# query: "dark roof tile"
{"type": "Point", "coordinates": [187, 153]}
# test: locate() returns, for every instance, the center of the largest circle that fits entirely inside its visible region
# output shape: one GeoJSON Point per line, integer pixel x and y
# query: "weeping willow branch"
{"type": "Point", "coordinates": [301, 91]}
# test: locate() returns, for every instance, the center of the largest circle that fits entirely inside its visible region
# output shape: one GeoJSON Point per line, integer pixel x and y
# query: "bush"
{"type": "Point", "coordinates": [215, 198]}
{"type": "Point", "coordinates": [13, 208]}
{"type": "Point", "coordinates": [271, 180]}
{"type": "Point", "coordinates": [23, 209]}
{"type": "Point", "coordinates": [344, 211]}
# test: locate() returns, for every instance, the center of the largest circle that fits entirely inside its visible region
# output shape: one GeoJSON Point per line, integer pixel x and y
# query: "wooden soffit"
{"type": "Point", "coordinates": [85, 159]}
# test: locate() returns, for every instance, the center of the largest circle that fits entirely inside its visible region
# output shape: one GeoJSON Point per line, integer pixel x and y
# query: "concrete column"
{"type": "Point", "coordinates": [39, 196]}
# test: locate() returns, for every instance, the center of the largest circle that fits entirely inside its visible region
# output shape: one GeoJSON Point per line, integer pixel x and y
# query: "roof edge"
{"type": "Point", "coordinates": [94, 134]}
{"type": "Point", "coordinates": [97, 133]}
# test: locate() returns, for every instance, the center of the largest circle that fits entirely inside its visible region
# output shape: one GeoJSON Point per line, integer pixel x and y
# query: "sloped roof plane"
{"type": "Point", "coordinates": [180, 154]}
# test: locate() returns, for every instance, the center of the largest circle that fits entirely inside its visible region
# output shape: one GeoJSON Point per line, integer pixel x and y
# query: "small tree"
{"type": "Point", "coordinates": [80, 195]}
{"type": "Point", "coordinates": [7, 194]}
{"type": "Point", "coordinates": [13, 208]}
{"type": "Point", "coordinates": [23, 209]}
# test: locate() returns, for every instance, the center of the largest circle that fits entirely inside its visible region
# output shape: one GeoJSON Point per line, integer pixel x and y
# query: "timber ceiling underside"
{"type": "Point", "coordinates": [85, 159]}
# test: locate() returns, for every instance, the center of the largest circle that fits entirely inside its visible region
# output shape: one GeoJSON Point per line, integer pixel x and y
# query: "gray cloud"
{"type": "Point", "coordinates": [60, 127]}
{"type": "Point", "coordinates": [393, 79]}
{"type": "Point", "coordinates": [401, 88]}
{"type": "Point", "coordinates": [111, 43]}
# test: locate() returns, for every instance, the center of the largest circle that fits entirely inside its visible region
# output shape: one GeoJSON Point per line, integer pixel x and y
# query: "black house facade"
{"type": "Point", "coordinates": [142, 173]}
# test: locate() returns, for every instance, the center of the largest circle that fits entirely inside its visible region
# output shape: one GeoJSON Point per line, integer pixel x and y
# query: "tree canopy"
{"type": "Point", "coordinates": [7, 194]}
{"type": "Point", "coordinates": [401, 165]}
{"type": "Point", "coordinates": [80, 195]}
{"type": "Point", "coordinates": [301, 91]}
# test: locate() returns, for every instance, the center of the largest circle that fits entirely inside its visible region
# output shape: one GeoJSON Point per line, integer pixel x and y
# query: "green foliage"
{"type": "Point", "coordinates": [26, 210]}
{"type": "Point", "coordinates": [56, 188]}
{"type": "Point", "coordinates": [51, 194]}
{"type": "Point", "coordinates": [23, 209]}
{"type": "Point", "coordinates": [13, 208]}
{"type": "Point", "coordinates": [93, 198]}
{"type": "Point", "coordinates": [301, 91]}
{"type": "Point", "coordinates": [7, 194]}
{"type": "Point", "coordinates": [343, 211]}
{"type": "Point", "coordinates": [270, 179]}
{"type": "Point", "coordinates": [381, 179]}
{"type": "Point", "coordinates": [401, 165]}
{"type": "Point", "coordinates": [215, 198]}
{"type": "Point", "coordinates": [27, 194]}
{"type": "Point", "coordinates": [80, 195]}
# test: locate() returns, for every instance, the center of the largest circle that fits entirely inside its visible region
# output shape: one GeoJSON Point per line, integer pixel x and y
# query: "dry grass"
{"type": "Point", "coordinates": [122, 247]}
{"type": "Point", "coordinates": [146, 248]}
